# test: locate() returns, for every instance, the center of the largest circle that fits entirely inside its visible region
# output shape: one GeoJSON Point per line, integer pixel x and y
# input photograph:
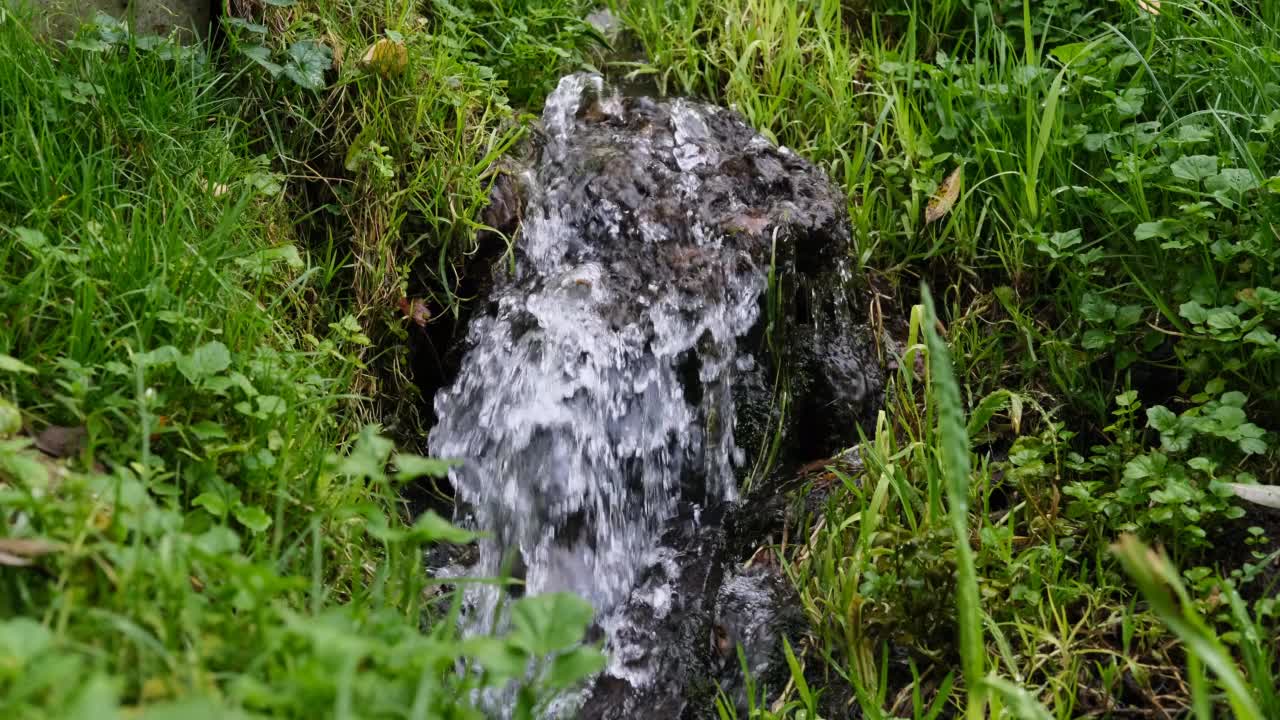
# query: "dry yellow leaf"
{"type": "Point", "coordinates": [386, 57]}
{"type": "Point", "coordinates": [1151, 6]}
{"type": "Point", "coordinates": [21, 552]}
{"type": "Point", "coordinates": [945, 198]}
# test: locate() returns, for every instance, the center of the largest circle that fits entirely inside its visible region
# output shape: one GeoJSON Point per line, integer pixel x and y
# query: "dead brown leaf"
{"type": "Point", "coordinates": [22, 552]}
{"type": "Point", "coordinates": [415, 310]}
{"type": "Point", "coordinates": [386, 57]}
{"type": "Point", "coordinates": [945, 198]}
{"type": "Point", "coordinates": [1151, 6]}
{"type": "Point", "coordinates": [61, 442]}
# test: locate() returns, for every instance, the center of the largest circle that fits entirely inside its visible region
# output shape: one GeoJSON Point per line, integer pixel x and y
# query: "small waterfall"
{"type": "Point", "coordinates": [599, 383]}
{"type": "Point", "coordinates": [606, 391]}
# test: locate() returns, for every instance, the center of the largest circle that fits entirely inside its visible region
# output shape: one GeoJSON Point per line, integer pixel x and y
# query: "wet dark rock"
{"type": "Point", "coordinates": [695, 605]}
{"type": "Point", "coordinates": [716, 265]}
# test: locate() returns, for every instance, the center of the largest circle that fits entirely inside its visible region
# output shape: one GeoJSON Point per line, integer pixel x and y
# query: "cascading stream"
{"type": "Point", "coordinates": [572, 411]}
{"type": "Point", "coordinates": [605, 392]}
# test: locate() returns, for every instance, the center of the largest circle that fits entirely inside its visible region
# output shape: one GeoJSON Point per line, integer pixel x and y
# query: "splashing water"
{"type": "Point", "coordinates": [594, 411]}
{"type": "Point", "coordinates": [575, 412]}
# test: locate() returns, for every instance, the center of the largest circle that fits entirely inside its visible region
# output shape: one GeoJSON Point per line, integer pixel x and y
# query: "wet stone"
{"type": "Point", "coordinates": [623, 385]}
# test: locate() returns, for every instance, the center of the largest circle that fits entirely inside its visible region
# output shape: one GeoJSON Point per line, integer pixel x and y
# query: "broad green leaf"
{"type": "Point", "coordinates": [1252, 446]}
{"type": "Point", "coordinates": [497, 656]}
{"type": "Point", "coordinates": [1063, 242]}
{"type": "Point", "coordinates": [207, 360]}
{"type": "Point", "coordinates": [160, 357]}
{"type": "Point", "coordinates": [1127, 316]}
{"type": "Point", "coordinates": [574, 666]}
{"type": "Point", "coordinates": [1223, 319]}
{"type": "Point", "coordinates": [1098, 339]}
{"type": "Point", "coordinates": [95, 698]}
{"type": "Point", "coordinates": [1229, 417]}
{"type": "Point", "coordinates": [1161, 418]}
{"type": "Point", "coordinates": [1144, 466]}
{"type": "Point", "coordinates": [17, 461]}
{"type": "Point", "coordinates": [1162, 229]}
{"type": "Point", "coordinates": [22, 640]}
{"type": "Point", "coordinates": [92, 45]}
{"type": "Point", "coordinates": [262, 56]}
{"type": "Point", "coordinates": [1263, 337]}
{"type": "Point", "coordinates": [267, 183]}
{"type": "Point", "coordinates": [213, 503]}
{"type": "Point", "coordinates": [33, 240]}
{"type": "Point", "coordinates": [551, 622]}
{"type": "Point", "coordinates": [409, 466]}
{"type": "Point", "coordinates": [368, 459]}
{"type": "Point", "coordinates": [1203, 464]}
{"type": "Point", "coordinates": [1189, 133]}
{"type": "Point", "coordinates": [209, 430]}
{"type": "Point", "coordinates": [1177, 439]}
{"type": "Point", "coordinates": [1195, 167]}
{"type": "Point", "coordinates": [218, 540]}
{"type": "Point", "coordinates": [1069, 53]}
{"type": "Point", "coordinates": [14, 365]}
{"type": "Point", "coordinates": [1235, 398]}
{"type": "Point", "coordinates": [271, 405]}
{"type": "Point", "coordinates": [431, 528]}
{"type": "Point", "coordinates": [10, 418]}
{"type": "Point", "coordinates": [264, 261]}
{"type": "Point", "coordinates": [1129, 102]}
{"type": "Point", "coordinates": [308, 62]}
{"type": "Point", "coordinates": [1096, 309]}
{"type": "Point", "coordinates": [245, 25]}
{"type": "Point", "coordinates": [252, 517]}
{"type": "Point", "coordinates": [1267, 297]}
{"type": "Point", "coordinates": [1232, 180]}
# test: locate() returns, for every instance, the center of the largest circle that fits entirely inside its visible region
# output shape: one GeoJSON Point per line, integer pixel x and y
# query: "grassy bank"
{"type": "Point", "coordinates": [1090, 188]}
{"type": "Point", "coordinates": [213, 261]}
{"type": "Point", "coordinates": [196, 520]}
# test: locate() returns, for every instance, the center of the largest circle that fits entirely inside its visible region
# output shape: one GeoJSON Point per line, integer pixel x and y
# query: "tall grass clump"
{"type": "Point", "coordinates": [394, 136]}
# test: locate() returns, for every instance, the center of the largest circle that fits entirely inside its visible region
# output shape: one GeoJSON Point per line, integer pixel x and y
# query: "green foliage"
{"type": "Point", "coordinates": [1177, 492]}
{"type": "Point", "coordinates": [1112, 253]}
{"type": "Point", "coordinates": [390, 120]}
{"type": "Point", "coordinates": [195, 523]}
{"type": "Point", "coordinates": [202, 274]}
{"type": "Point", "coordinates": [1160, 585]}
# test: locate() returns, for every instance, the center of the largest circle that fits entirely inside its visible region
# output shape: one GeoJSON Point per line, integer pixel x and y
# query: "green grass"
{"type": "Point", "coordinates": [206, 259]}
{"type": "Point", "coordinates": [1105, 282]}
{"type": "Point", "coordinates": [226, 537]}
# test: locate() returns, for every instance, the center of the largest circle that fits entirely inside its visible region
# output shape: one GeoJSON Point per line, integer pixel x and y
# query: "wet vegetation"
{"type": "Point", "coordinates": [222, 267]}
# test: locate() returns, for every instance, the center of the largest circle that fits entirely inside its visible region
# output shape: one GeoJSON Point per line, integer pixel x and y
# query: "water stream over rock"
{"type": "Point", "coordinates": [601, 399]}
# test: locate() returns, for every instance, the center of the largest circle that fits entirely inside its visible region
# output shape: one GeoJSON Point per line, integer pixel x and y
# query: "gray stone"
{"type": "Point", "coordinates": [190, 18]}
{"type": "Point", "coordinates": [679, 206]}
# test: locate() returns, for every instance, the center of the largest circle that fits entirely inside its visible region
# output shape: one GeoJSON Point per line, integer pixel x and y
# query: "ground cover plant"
{"type": "Point", "coordinates": [1089, 187]}
{"type": "Point", "coordinates": [197, 520]}
{"type": "Point", "coordinates": [212, 259]}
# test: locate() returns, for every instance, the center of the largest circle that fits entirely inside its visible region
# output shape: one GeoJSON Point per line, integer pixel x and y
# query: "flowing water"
{"type": "Point", "coordinates": [574, 412]}
{"type": "Point", "coordinates": [594, 410]}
